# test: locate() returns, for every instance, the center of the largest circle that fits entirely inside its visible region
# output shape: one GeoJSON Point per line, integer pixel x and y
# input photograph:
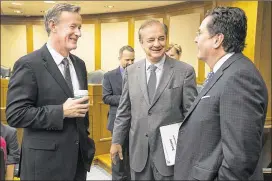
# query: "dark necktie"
{"type": "Point", "coordinates": [67, 75]}
{"type": "Point", "coordinates": [209, 77]}
{"type": "Point", "coordinates": [151, 86]}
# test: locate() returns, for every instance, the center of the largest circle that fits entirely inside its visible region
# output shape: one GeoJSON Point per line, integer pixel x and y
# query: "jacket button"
{"type": "Point", "coordinates": [76, 142]}
{"type": "Point", "coordinates": [149, 113]}
{"type": "Point", "coordinates": [146, 135]}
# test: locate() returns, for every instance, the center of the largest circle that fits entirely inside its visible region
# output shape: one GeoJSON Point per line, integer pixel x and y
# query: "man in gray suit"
{"type": "Point", "coordinates": [221, 136]}
{"type": "Point", "coordinates": [112, 90]}
{"type": "Point", "coordinates": [157, 91]}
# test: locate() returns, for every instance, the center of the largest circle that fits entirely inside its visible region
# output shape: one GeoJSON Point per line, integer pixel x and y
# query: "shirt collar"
{"type": "Point", "coordinates": [159, 64]}
{"type": "Point", "coordinates": [221, 61]}
{"type": "Point", "coordinates": [121, 69]}
{"type": "Point", "coordinates": [56, 56]}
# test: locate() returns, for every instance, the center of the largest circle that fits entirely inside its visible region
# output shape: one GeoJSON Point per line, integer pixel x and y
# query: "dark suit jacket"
{"type": "Point", "coordinates": [141, 120]}
{"type": "Point", "coordinates": [35, 96]}
{"type": "Point", "coordinates": [10, 136]}
{"type": "Point", "coordinates": [112, 90]}
{"type": "Point", "coordinates": [221, 136]}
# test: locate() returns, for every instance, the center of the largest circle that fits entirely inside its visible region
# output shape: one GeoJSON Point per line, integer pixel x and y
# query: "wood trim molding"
{"type": "Point", "coordinates": [29, 38]}
{"type": "Point", "coordinates": [97, 63]}
{"type": "Point", "coordinates": [131, 31]}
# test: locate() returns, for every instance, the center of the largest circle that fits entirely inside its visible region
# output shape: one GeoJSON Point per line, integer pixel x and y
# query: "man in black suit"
{"type": "Point", "coordinates": [221, 136]}
{"type": "Point", "coordinates": [55, 143]}
{"type": "Point", "coordinates": [112, 90]}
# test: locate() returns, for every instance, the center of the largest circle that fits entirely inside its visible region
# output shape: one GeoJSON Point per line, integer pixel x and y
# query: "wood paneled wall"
{"type": "Point", "coordinates": [160, 12]}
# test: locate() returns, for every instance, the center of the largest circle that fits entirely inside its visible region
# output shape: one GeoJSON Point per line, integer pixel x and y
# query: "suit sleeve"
{"type": "Point", "coordinates": [21, 110]}
{"type": "Point", "coordinates": [108, 97]}
{"type": "Point", "coordinates": [189, 90]}
{"type": "Point", "coordinates": [242, 114]}
{"type": "Point", "coordinates": [13, 148]}
{"type": "Point", "coordinates": [123, 115]}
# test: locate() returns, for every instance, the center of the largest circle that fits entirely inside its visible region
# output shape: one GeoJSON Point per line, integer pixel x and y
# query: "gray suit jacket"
{"type": "Point", "coordinates": [142, 120]}
{"type": "Point", "coordinates": [10, 136]}
{"type": "Point", "coordinates": [112, 90]}
{"type": "Point", "coordinates": [221, 136]}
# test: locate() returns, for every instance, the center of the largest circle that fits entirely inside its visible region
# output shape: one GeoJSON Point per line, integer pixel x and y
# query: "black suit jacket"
{"type": "Point", "coordinates": [35, 96]}
{"type": "Point", "coordinates": [112, 90]}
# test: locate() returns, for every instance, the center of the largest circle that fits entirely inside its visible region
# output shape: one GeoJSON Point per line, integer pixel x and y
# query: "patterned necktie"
{"type": "Point", "coordinates": [151, 86]}
{"type": "Point", "coordinates": [67, 75]}
{"type": "Point", "coordinates": [209, 77]}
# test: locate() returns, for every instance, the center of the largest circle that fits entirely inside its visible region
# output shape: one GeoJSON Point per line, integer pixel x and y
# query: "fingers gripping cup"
{"type": "Point", "coordinates": [80, 93]}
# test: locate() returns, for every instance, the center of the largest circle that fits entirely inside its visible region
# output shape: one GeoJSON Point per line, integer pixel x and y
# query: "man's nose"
{"type": "Point", "coordinates": [157, 43]}
{"type": "Point", "coordinates": [195, 40]}
{"type": "Point", "coordinates": [78, 32]}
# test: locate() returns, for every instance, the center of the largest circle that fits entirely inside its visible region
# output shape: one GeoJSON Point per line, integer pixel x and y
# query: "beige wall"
{"type": "Point", "coordinates": [39, 36]}
{"type": "Point", "coordinates": [13, 43]}
{"type": "Point", "coordinates": [113, 37]}
{"type": "Point", "coordinates": [182, 30]}
{"type": "Point", "coordinates": [85, 46]}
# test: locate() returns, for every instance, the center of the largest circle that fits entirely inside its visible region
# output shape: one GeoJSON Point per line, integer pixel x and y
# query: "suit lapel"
{"type": "Point", "coordinates": [78, 72]}
{"type": "Point", "coordinates": [142, 80]}
{"type": "Point", "coordinates": [165, 78]}
{"type": "Point", "coordinates": [53, 69]}
{"type": "Point", "coordinates": [210, 84]}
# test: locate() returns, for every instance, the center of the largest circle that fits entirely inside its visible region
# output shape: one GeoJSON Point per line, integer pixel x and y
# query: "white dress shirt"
{"type": "Point", "coordinates": [221, 61]}
{"type": "Point", "coordinates": [159, 70]}
{"type": "Point", "coordinates": [58, 60]}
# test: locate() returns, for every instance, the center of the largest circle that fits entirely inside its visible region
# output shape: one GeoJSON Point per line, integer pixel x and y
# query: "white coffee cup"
{"type": "Point", "coordinates": [80, 93]}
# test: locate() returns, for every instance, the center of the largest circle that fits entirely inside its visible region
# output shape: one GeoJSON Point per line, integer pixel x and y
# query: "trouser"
{"type": "Point", "coordinates": [150, 172]}
{"type": "Point", "coordinates": [121, 171]}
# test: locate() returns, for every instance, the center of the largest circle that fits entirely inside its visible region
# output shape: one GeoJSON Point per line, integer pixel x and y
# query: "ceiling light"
{"type": "Point", "coordinates": [50, 2]}
{"type": "Point", "coordinates": [16, 4]}
{"type": "Point", "coordinates": [108, 6]}
{"type": "Point", "coordinates": [17, 11]}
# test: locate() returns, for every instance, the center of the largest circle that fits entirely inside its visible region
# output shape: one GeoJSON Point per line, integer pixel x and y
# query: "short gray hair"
{"type": "Point", "coordinates": [55, 12]}
{"type": "Point", "coordinates": [150, 22]}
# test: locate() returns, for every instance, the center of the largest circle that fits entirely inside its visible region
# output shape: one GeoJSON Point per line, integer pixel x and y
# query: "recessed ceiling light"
{"type": "Point", "coordinates": [109, 6]}
{"type": "Point", "coordinates": [17, 11]}
{"type": "Point", "coordinates": [52, 2]}
{"type": "Point", "coordinates": [17, 4]}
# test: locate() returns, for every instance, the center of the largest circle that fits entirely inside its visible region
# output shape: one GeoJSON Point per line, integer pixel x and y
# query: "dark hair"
{"type": "Point", "coordinates": [127, 47]}
{"type": "Point", "coordinates": [55, 12]}
{"type": "Point", "coordinates": [150, 22]}
{"type": "Point", "coordinates": [232, 23]}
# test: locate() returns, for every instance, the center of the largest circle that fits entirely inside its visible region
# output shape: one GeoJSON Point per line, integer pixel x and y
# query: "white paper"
{"type": "Point", "coordinates": [169, 135]}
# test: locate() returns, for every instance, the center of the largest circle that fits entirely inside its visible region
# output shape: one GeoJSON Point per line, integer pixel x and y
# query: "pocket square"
{"type": "Point", "coordinates": [204, 97]}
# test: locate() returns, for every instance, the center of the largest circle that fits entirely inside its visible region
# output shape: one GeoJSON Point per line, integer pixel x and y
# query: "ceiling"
{"type": "Point", "coordinates": [38, 8]}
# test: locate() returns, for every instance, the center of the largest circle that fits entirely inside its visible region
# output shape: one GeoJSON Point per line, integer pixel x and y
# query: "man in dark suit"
{"type": "Point", "coordinates": [157, 91]}
{"type": "Point", "coordinates": [55, 143]}
{"type": "Point", "coordinates": [221, 136]}
{"type": "Point", "coordinates": [112, 90]}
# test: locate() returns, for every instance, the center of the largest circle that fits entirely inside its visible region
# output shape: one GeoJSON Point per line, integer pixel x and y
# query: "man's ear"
{"type": "Point", "coordinates": [52, 26]}
{"type": "Point", "coordinates": [219, 38]}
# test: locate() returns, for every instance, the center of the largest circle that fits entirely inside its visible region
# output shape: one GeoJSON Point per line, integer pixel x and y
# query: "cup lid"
{"type": "Point", "coordinates": [81, 92]}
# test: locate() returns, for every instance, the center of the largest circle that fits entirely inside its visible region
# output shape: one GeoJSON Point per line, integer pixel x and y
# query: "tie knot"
{"type": "Point", "coordinates": [65, 61]}
{"type": "Point", "coordinates": [153, 68]}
